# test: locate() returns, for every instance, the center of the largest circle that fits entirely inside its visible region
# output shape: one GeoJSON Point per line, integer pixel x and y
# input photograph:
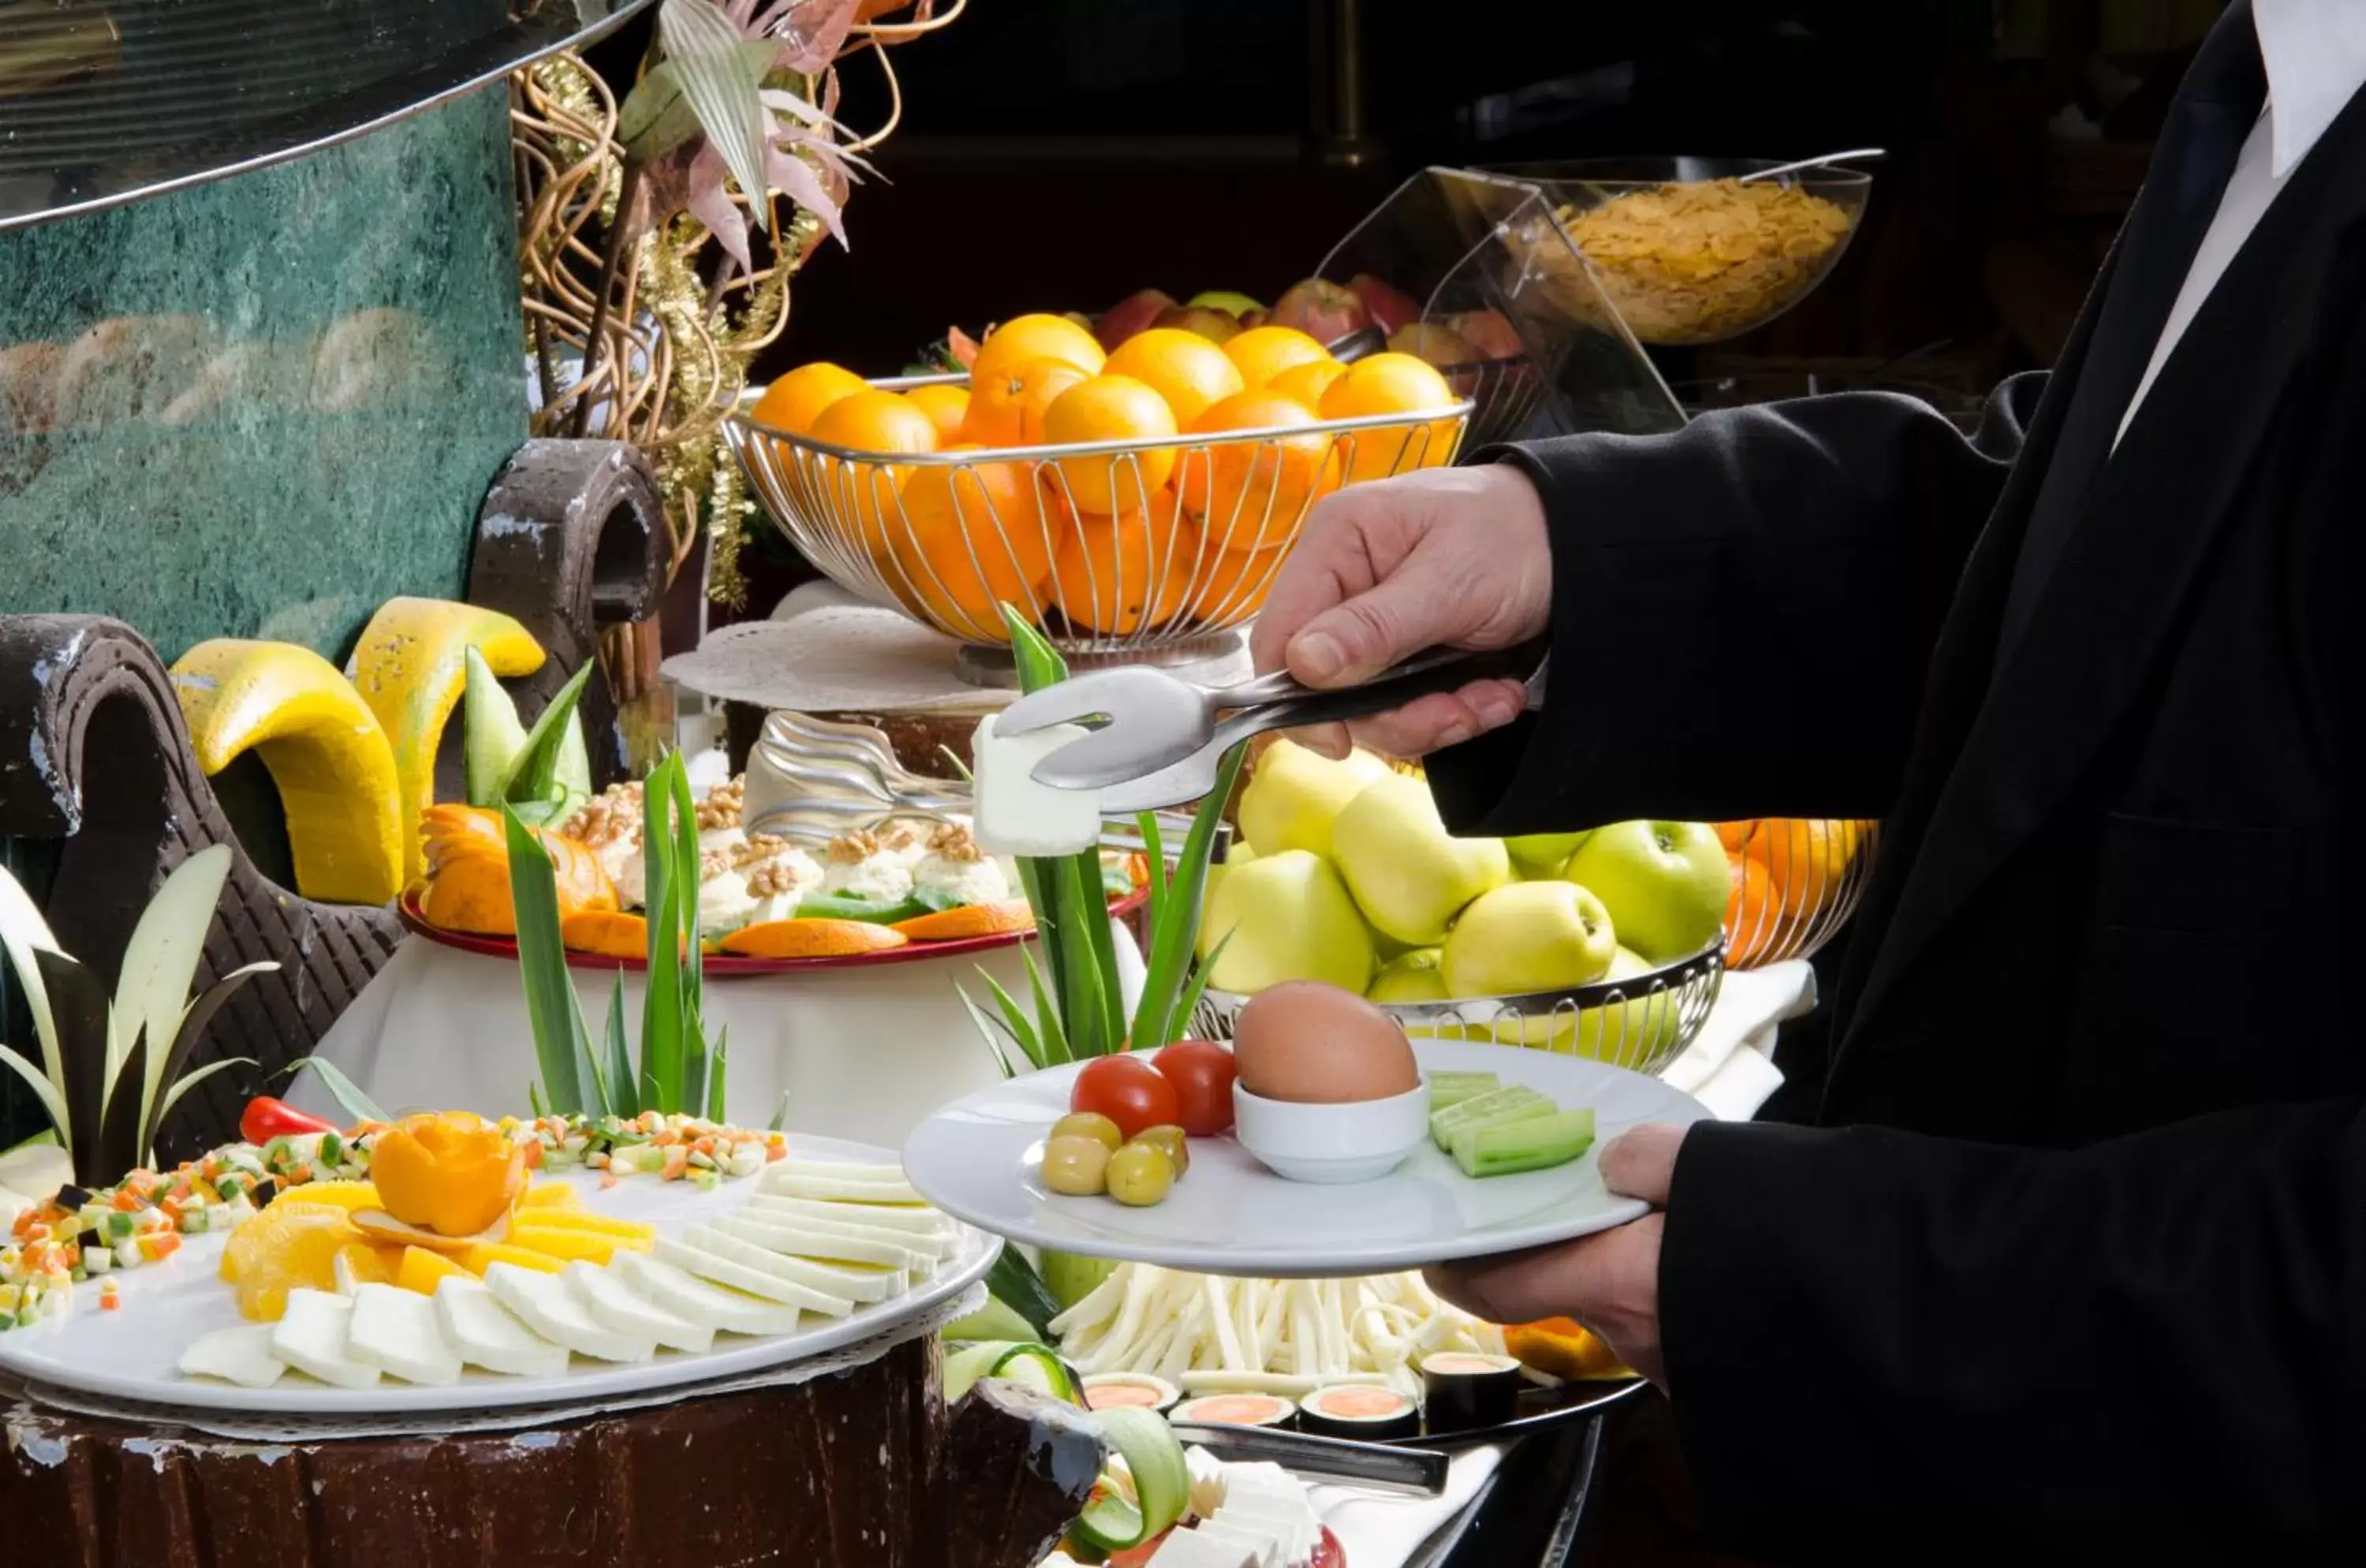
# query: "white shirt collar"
{"type": "Point", "coordinates": [2314, 51]}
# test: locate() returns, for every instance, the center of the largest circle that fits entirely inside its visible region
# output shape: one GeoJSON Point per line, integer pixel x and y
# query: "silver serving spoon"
{"type": "Point", "coordinates": [1779, 170]}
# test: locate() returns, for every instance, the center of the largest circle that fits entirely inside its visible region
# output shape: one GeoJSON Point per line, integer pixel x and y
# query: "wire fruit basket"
{"type": "Point", "coordinates": [1795, 882]}
{"type": "Point", "coordinates": [1125, 548]}
{"type": "Point", "coordinates": [1642, 1023]}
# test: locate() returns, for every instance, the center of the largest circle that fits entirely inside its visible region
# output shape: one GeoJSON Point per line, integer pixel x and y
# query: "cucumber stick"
{"type": "Point", "coordinates": [1453, 1088]}
{"type": "Point", "coordinates": [1523, 1143]}
{"type": "Point", "coordinates": [1491, 1107]}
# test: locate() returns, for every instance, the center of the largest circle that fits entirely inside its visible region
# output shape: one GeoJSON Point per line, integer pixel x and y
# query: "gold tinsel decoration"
{"type": "Point", "coordinates": [676, 342]}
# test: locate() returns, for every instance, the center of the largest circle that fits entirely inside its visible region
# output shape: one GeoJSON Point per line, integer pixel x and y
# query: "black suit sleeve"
{"type": "Point", "coordinates": [1888, 1346]}
{"type": "Point", "coordinates": [1742, 613]}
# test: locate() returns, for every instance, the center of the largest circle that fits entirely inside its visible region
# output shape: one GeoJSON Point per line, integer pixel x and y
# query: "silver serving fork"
{"type": "Point", "coordinates": [1160, 739]}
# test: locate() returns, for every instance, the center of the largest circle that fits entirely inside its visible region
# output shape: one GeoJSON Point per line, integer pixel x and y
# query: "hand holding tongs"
{"type": "Point", "coordinates": [1159, 739]}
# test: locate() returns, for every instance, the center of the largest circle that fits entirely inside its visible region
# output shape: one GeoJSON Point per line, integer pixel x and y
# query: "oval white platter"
{"type": "Point", "coordinates": [134, 1352]}
{"type": "Point", "coordinates": [981, 1160]}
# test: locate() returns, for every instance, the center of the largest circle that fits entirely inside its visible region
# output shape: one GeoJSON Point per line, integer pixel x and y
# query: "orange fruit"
{"type": "Point", "coordinates": [1309, 382]}
{"type": "Point", "coordinates": [289, 1243]}
{"type": "Point", "coordinates": [1735, 835]}
{"type": "Point", "coordinates": [1183, 367]}
{"type": "Point", "coordinates": [1106, 570]}
{"type": "Point", "coordinates": [798, 398]}
{"type": "Point", "coordinates": [422, 1270]}
{"type": "Point", "coordinates": [1391, 383]}
{"type": "Point", "coordinates": [874, 422]}
{"type": "Point", "coordinates": [1250, 495]}
{"type": "Point", "coordinates": [973, 538]}
{"type": "Point", "coordinates": [1228, 586]}
{"type": "Point", "coordinates": [970, 920]}
{"type": "Point", "coordinates": [1006, 406]}
{"type": "Point", "coordinates": [1805, 861]}
{"type": "Point", "coordinates": [1111, 407]}
{"type": "Point", "coordinates": [1023, 338]}
{"type": "Point", "coordinates": [946, 406]}
{"type": "Point", "coordinates": [1263, 352]}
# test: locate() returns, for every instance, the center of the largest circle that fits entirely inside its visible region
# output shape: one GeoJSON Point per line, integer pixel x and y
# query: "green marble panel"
{"type": "Point", "coordinates": [261, 407]}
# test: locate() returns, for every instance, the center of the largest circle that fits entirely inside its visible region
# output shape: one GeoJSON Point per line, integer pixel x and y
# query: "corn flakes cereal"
{"type": "Point", "coordinates": [1701, 260]}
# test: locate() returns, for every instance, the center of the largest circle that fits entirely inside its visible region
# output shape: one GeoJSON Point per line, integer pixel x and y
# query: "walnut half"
{"type": "Point", "coordinates": [954, 843]}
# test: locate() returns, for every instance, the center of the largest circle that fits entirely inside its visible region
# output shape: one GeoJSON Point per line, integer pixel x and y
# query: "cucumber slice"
{"type": "Point", "coordinates": [1161, 1482]}
{"type": "Point", "coordinates": [965, 1367]}
{"type": "Point", "coordinates": [1532, 1142]}
{"type": "Point", "coordinates": [493, 736]}
{"type": "Point", "coordinates": [845, 907]}
{"type": "Point", "coordinates": [1453, 1088]}
{"type": "Point", "coordinates": [1039, 1367]}
{"type": "Point", "coordinates": [1494, 1106]}
{"type": "Point", "coordinates": [1014, 1282]}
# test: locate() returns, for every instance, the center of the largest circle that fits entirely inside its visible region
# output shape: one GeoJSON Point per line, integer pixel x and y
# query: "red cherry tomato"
{"type": "Point", "coordinates": [1201, 1072]}
{"type": "Point", "coordinates": [1126, 1089]}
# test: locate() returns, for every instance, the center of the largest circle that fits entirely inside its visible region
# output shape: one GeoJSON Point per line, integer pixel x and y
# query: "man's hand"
{"type": "Point", "coordinates": [1441, 558]}
{"type": "Point", "coordinates": [1608, 1281]}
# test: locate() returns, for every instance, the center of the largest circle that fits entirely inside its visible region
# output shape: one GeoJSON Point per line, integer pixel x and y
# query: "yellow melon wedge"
{"type": "Point", "coordinates": [553, 1195]}
{"type": "Point", "coordinates": [485, 1254]}
{"type": "Point", "coordinates": [326, 752]}
{"type": "Point", "coordinates": [422, 1270]}
{"type": "Point", "coordinates": [410, 667]}
{"type": "Point", "coordinates": [586, 1247]}
{"type": "Point", "coordinates": [585, 1222]}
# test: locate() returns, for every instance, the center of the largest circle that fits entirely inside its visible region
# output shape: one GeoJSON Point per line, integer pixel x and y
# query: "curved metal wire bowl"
{"type": "Point", "coordinates": [1642, 1023]}
{"type": "Point", "coordinates": [1198, 576]}
{"type": "Point", "coordinates": [1796, 882]}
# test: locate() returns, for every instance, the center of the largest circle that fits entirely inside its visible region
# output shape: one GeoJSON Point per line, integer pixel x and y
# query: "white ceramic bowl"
{"type": "Point", "coordinates": [1359, 1140]}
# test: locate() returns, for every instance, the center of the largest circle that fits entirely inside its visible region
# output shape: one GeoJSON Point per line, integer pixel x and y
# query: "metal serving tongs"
{"type": "Point", "coordinates": [1158, 740]}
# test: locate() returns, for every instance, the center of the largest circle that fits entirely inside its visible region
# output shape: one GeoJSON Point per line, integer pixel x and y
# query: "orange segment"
{"type": "Point", "coordinates": [345, 1195]}
{"type": "Point", "coordinates": [974, 538]}
{"type": "Point", "coordinates": [946, 406]}
{"type": "Point", "coordinates": [1391, 383]}
{"type": "Point", "coordinates": [1111, 407]}
{"type": "Point", "coordinates": [1249, 494]}
{"type": "Point", "coordinates": [1115, 574]}
{"type": "Point", "coordinates": [1023, 338]}
{"type": "Point", "coordinates": [1006, 406]}
{"type": "Point", "coordinates": [422, 1270]}
{"type": "Point", "coordinates": [368, 1265]}
{"type": "Point", "coordinates": [969, 920]}
{"type": "Point", "coordinates": [811, 939]}
{"type": "Point", "coordinates": [794, 401]}
{"type": "Point", "coordinates": [584, 1222]}
{"type": "Point", "coordinates": [1183, 367]}
{"type": "Point", "coordinates": [286, 1245]}
{"type": "Point", "coordinates": [1263, 352]}
{"type": "Point", "coordinates": [574, 1246]}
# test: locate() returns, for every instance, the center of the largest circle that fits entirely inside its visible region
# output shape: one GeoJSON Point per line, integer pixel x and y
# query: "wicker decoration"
{"type": "Point", "coordinates": [669, 323]}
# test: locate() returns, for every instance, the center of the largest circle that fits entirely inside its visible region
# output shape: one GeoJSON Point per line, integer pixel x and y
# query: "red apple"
{"type": "Point", "coordinates": [1392, 309]}
{"type": "Point", "coordinates": [1488, 333]}
{"type": "Point", "coordinates": [1253, 318]}
{"type": "Point", "coordinates": [1131, 315]}
{"type": "Point", "coordinates": [1324, 311]}
{"type": "Point", "coordinates": [1216, 326]}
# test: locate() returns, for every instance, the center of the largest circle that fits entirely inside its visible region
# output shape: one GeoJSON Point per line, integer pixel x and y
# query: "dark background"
{"type": "Point", "coordinates": [1058, 154]}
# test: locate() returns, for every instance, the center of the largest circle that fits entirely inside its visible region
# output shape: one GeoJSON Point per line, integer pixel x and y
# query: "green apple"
{"type": "Point", "coordinates": [1665, 884]}
{"type": "Point", "coordinates": [1543, 854]}
{"type": "Point", "coordinates": [1294, 795]}
{"type": "Point", "coordinates": [1409, 876]}
{"type": "Point", "coordinates": [1526, 937]}
{"type": "Point", "coordinates": [1414, 977]}
{"type": "Point", "coordinates": [1289, 917]}
{"type": "Point", "coordinates": [1225, 300]}
{"type": "Point", "coordinates": [1623, 1032]}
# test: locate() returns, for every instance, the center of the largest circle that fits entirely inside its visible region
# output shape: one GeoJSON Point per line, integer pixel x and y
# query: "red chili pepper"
{"type": "Point", "coordinates": [266, 1119]}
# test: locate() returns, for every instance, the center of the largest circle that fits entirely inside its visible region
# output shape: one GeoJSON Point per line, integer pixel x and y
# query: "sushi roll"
{"type": "Point", "coordinates": [1463, 1389]}
{"type": "Point", "coordinates": [1358, 1410]}
{"type": "Point", "coordinates": [1235, 1410]}
{"type": "Point", "coordinates": [1133, 1391]}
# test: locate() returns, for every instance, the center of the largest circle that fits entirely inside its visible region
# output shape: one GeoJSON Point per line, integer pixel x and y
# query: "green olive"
{"type": "Point", "coordinates": [1088, 1124]}
{"type": "Point", "coordinates": [1139, 1175]}
{"type": "Point", "coordinates": [1168, 1140]}
{"type": "Point", "coordinates": [1078, 1166]}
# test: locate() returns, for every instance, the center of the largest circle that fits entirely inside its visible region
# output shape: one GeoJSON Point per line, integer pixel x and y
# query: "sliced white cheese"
{"type": "Point", "coordinates": [918, 1225]}
{"type": "Point", "coordinates": [702, 1302]}
{"type": "Point", "coordinates": [487, 1335]}
{"type": "Point", "coordinates": [882, 1184]}
{"type": "Point", "coordinates": [1194, 1547]}
{"type": "Point", "coordinates": [397, 1331]}
{"type": "Point", "coordinates": [694, 1258]}
{"type": "Point", "coordinates": [1015, 815]}
{"type": "Point", "coordinates": [1292, 1526]}
{"type": "Point", "coordinates": [242, 1355]}
{"type": "Point", "coordinates": [1261, 1549]}
{"type": "Point", "coordinates": [853, 1284]}
{"type": "Point", "coordinates": [613, 1306]}
{"type": "Point", "coordinates": [311, 1337]}
{"type": "Point", "coordinates": [547, 1305]}
{"type": "Point", "coordinates": [814, 1241]}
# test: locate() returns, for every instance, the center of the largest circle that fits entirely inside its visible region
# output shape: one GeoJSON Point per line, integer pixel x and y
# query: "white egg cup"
{"type": "Point", "coordinates": [1359, 1140]}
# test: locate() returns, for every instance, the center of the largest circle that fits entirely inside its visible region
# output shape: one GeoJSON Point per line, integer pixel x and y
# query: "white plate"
{"type": "Point", "coordinates": [980, 1159]}
{"type": "Point", "coordinates": [134, 1352]}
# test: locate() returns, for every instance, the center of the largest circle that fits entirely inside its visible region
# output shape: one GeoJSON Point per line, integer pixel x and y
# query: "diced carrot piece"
{"type": "Point", "coordinates": [534, 1154]}
{"type": "Point", "coordinates": [677, 1160]}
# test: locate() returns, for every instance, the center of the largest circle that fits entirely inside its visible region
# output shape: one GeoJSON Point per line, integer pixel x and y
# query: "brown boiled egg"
{"type": "Point", "coordinates": [1313, 1044]}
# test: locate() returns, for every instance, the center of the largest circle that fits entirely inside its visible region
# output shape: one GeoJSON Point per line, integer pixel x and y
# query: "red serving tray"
{"type": "Point", "coordinates": [727, 963]}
